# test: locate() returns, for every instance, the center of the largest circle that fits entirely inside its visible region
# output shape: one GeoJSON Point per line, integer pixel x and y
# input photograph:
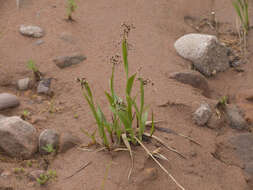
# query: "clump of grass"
{"type": "Point", "coordinates": [241, 8]}
{"type": "Point", "coordinates": [129, 117]}
{"type": "Point", "coordinates": [71, 7]}
{"type": "Point", "coordinates": [124, 111]}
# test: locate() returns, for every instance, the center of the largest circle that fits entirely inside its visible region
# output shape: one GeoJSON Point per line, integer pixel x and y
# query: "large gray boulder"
{"type": "Point", "coordinates": [206, 53]}
{"type": "Point", "coordinates": [8, 101]}
{"type": "Point", "coordinates": [31, 31]}
{"type": "Point", "coordinates": [17, 137]}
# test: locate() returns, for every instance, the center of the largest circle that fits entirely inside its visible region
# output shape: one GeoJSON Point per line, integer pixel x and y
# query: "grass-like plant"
{"type": "Point", "coordinates": [242, 10]}
{"type": "Point", "coordinates": [71, 7]}
{"type": "Point", "coordinates": [129, 117]}
{"type": "Point", "coordinates": [32, 66]}
{"type": "Point", "coordinates": [124, 111]}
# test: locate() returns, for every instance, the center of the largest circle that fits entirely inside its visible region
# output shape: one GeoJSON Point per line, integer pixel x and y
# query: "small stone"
{"type": "Point", "coordinates": [48, 137]}
{"type": "Point", "coordinates": [33, 175]}
{"type": "Point", "coordinates": [17, 137]}
{"type": "Point", "coordinates": [192, 78]}
{"type": "Point", "coordinates": [66, 61]}
{"type": "Point", "coordinates": [37, 119]}
{"type": "Point", "coordinates": [68, 141]}
{"type": "Point", "coordinates": [39, 42]}
{"type": "Point", "coordinates": [206, 53]}
{"type": "Point", "coordinates": [44, 86]}
{"type": "Point", "coordinates": [67, 37]}
{"type": "Point", "coordinates": [8, 101]}
{"type": "Point", "coordinates": [31, 31]}
{"type": "Point", "coordinates": [23, 84]}
{"type": "Point", "coordinates": [235, 118]}
{"type": "Point", "coordinates": [202, 114]}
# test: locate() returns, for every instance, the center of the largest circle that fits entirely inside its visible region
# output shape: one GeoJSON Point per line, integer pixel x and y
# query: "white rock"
{"type": "Point", "coordinates": [31, 31]}
{"type": "Point", "coordinates": [23, 84]}
{"type": "Point", "coordinates": [207, 54]}
{"type": "Point", "coordinates": [202, 114]}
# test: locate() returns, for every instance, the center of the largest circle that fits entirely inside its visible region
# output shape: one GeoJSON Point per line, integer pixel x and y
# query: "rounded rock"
{"type": "Point", "coordinates": [8, 101]}
{"type": "Point", "coordinates": [48, 137]}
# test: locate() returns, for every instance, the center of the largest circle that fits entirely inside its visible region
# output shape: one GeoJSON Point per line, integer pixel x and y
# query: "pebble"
{"type": "Point", "coordinates": [8, 101]}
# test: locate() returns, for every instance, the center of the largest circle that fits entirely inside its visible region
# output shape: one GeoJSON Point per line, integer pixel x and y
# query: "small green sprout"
{"type": "Point", "coordinates": [223, 101]}
{"type": "Point", "coordinates": [19, 170]}
{"type": "Point", "coordinates": [29, 163]}
{"type": "Point", "coordinates": [71, 7]}
{"type": "Point", "coordinates": [52, 174]}
{"type": "Point", "coordinates": [25, 115]}
{"type": "Point", "coordinates": [49, 148]}
{"type": "Point", "coordinates": [43, 179]}
{"type": "Point", "coordinates": [32, 66]}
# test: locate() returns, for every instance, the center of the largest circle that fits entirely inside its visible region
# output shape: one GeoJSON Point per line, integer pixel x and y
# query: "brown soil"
{"type": "Point", "coordinates": [96, 33]}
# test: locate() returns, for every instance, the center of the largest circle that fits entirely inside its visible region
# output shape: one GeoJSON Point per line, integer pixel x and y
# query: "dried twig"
{"type": "Point", "coordinates": [170, 131]}
{"type": "Point", "coordinates": [83, 167]}
{"type": "Point", "coordinates": [164, 144]}
{"type": "Point", "coordinates": [160, 165]}
{"type": "Point", "coordinates": [124, 137]}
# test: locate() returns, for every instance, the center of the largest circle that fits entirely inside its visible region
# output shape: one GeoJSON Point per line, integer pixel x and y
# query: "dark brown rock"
{"type": "Point", "coordinates": [192, 78]}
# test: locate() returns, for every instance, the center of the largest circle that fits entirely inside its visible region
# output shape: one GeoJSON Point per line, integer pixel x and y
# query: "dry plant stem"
{"type": "Point", "coordinates": [124, 137]}
{"type": "Point", "coordinates": [166, 171]}
{"type": "Point", "coordinates": [189, 138]}
{"type": "Point", "coordinates": [172, 132]}
{"type": "Point", "coordinates": [83, 167]}
{"type": "Point", "coordinates": [163, 143]}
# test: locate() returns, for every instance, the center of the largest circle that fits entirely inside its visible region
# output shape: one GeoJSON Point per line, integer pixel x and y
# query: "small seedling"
{"type": "Point", "coordinates": [29, 163]}
{"type": "Point", "coordinates": [71, 7]}
{"type": "Point", "coordinates": [49, 148]}
{"type": "Point", "coordinates": [51, 174]}
{"type": "Point", "coordinates": [76, 116]}
{"type": "Point", "coordinates": [44, 178]}
{"type": "Point", "coordinates": [32, 66]}
{"type": "Point", "coordinates": [19, 170]}
{"type": "Point", "coordinates": [25, 115]}
{"type": "Point", "coordinates": [223, 101]}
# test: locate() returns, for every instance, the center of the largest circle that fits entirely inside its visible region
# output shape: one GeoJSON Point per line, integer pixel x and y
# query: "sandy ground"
{"type": "Point", "coordinates": [96, 34]}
